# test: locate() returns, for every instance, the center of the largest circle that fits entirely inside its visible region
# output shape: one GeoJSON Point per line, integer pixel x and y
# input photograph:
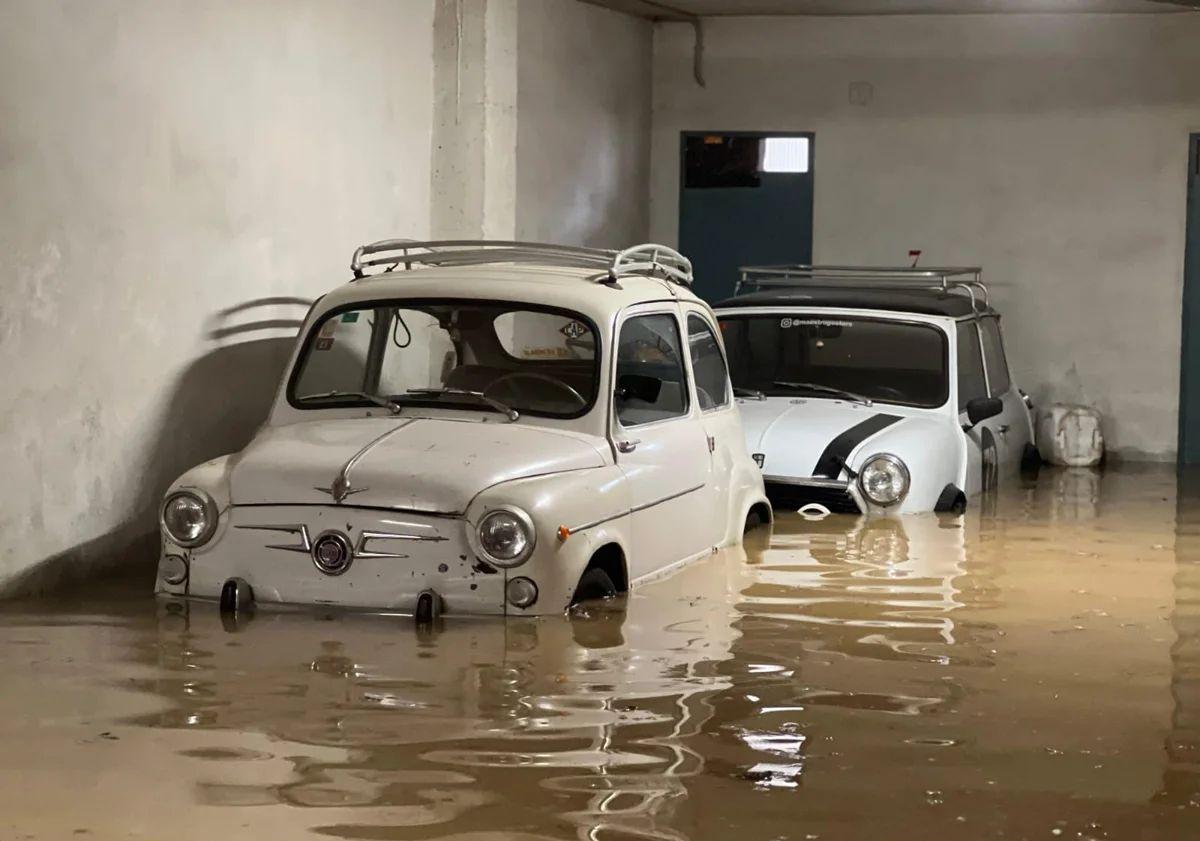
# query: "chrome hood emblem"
{"type": "Point", "coordinates": [342, 486]}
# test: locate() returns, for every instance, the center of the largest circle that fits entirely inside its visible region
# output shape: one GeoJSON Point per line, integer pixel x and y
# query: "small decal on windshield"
{"type": "Point", "coordinates": [324, 342]}
{"type": "Point", "coordinates": [574, 329]}
{"type": "Point", "coordinates": [349, 317]}
{"type": "Point", "coordinates": [785, 323]}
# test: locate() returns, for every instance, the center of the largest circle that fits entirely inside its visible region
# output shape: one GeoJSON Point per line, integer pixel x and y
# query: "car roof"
{"type": "Point", "coordinates": [565, 287]}
{"type": "Point", "coordinates": [932, 302]}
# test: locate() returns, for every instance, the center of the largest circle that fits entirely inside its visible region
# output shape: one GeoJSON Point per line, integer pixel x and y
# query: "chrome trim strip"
{"type": "Point", "coordinates": [361, 551]}
{"type": "Point", "coordinates": [305, 544]}
{"type": "Point", "coordinates": [341, 487]}
{"type": "Point", "coordinates": [634, 510]}
{"type": "Point", "coordinates": [646, 505]}
{"type": "Point", "coordinates": [814, 482]}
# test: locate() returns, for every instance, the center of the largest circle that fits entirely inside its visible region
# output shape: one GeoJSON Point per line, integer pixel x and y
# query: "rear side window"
{"type": "Point", "coordinates": [997, 364]}
{"type": "Point", "coordinates": [971, 383]}
{"type": "Point", "coordinates": [651, 384]}
{"type": "Point", "coordinates": [708, 365]}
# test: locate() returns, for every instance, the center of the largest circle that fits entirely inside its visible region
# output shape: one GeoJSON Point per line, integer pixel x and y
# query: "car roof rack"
{"type": "Point", "coordinates": [943, 279]}
{"type": "Point", "coordinates": [648, 259]}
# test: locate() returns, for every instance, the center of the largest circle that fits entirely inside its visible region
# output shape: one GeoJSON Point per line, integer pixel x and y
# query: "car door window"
{"type": "Point", "coordinates": [971, 382]}
{"type": "Point", "coordinates": [997, 364]}
{"type": "Point", "coordinates": [651, 383]}
{"type": "Point", "coordinates": [708, 365]}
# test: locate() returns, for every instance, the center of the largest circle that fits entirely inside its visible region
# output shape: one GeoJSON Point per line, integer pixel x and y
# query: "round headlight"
{"type": "Point", "coordinates": [189, 518]}
{"type": "Point", "coordinates": [506, 536]}
{"type": "Point", "coordinates": [884, 479]}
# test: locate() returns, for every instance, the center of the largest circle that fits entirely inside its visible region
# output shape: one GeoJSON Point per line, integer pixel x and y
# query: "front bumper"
{"type": "Point", "coordinates": [395, 557]}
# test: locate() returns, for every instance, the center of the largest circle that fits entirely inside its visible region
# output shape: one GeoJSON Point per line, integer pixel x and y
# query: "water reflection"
{"type": "Point", "coordinates": [1029, 667]}
{"type": "Point", "coordinates": [1181, 777]}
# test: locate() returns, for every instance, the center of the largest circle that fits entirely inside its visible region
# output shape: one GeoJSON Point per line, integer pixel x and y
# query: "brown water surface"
{"type": "Point", "coordinates": [1030, 670]}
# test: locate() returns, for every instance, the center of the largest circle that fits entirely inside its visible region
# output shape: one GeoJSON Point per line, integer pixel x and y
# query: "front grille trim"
{"type": "Point", "coordinates": [793, 494]}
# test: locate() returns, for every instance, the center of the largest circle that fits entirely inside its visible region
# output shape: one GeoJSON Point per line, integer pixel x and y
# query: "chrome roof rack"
{"type": "Point", "coordinates": [944, 279]}
{"type": "Point", "coordinates": [648, 259]}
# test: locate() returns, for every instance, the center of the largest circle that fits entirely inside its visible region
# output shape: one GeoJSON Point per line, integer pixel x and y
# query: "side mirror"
{"type": "Point", "coordinates": [982, 408]}
{"type": "Point", "coordinates": [638, 387]}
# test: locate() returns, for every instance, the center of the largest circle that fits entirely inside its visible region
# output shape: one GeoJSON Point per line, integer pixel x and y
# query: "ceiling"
{"type": "Point", "coordinates": [683, 9]}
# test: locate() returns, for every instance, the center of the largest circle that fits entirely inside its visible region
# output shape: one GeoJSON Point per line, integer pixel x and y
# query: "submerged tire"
{"type": "Point", "coordinates": [753, 521]}
{"type": "Point", "coordinates": [1031, 462]}
{"type": "Point", "coordinates": [593, 585]}
{"type": "Point", "coordinates": [989, 461]}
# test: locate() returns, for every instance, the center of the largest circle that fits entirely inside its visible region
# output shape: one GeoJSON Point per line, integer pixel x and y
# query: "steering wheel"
{"type": "Point", "coordinates": [545, 378]}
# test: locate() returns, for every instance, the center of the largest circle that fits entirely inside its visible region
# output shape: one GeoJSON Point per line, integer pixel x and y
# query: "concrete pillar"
{"type": "Point", "coordinates": [474, 179]}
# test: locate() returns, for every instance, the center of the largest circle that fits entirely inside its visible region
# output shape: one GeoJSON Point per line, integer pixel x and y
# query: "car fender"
{"type": "Point", "coordinates": [211, 477]}
{"type": "Point", "coordinates": [746, 490]}
{"type": "Point", "coordinates": [591, 507]}
{"type": "Point", "coordinates": [932, 450]}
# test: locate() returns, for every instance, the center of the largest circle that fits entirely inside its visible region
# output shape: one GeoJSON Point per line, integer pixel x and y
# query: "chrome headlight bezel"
{"type": "Point", "coordinates": [894, 461]}
{"type": "Point", "coordinates": [208, 506]}
{"type": "Point", "coordinates": [526, 523]}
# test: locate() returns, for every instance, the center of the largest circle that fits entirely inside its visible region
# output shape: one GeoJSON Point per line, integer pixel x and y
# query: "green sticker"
{"type": "Point", "coordinates": [349, 317]}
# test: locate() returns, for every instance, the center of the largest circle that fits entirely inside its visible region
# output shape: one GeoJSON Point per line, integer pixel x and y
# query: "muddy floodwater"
{"type": "Point", "coordinates": [1029, 670]}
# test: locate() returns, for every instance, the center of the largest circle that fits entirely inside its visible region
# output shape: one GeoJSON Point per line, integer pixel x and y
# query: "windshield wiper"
{"type": "Point", "coordinates": [827, 389]}
{"type": "Point", "coordinates": [504, 409]}
{"type": "Point", "coordinates": [391, 405]}
{"type": "Point", "coordinates": [752, 393]}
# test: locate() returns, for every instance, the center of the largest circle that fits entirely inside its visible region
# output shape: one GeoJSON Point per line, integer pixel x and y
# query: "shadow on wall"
{"type": "Point", "coordinates": [215, 407]}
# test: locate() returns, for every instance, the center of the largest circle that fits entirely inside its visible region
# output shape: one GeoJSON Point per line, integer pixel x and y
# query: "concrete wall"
{"type": "Point", "coordinates": [162, 163]}
{"type": "Point", "coordinates": [1050, 149]}
{"type": "Point", "coordinates": [583, 125]}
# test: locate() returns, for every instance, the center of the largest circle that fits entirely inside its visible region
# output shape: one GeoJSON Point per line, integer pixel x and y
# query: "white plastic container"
{"type": "Point", "coordinates": [1070, 435]}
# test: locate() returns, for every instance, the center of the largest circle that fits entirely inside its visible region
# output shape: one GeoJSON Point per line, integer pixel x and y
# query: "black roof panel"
{"type": "Point", "coordinates": [932, 302]}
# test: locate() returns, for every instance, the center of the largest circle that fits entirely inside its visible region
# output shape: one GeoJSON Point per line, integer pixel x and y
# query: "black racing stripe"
{"type": "Point", "coordinates": [832, 461]}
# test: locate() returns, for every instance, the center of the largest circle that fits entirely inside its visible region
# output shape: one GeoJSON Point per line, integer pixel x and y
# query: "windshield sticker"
{"type": "Point", "coordinates": [574, 330]}
{"type": "Point", "coordinates": [325, 343]}
{"type": "Point", "coordinates": [785, 323]}
{"type": "Point", "coordinates": [349, 317]}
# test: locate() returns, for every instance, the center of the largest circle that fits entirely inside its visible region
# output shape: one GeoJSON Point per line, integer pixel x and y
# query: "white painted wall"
{"type": "Point", "coordinates": [160, 162]}
{"type": "Point", "coordinates": [583, 124]}
{"type": "Point", "coordinates": [1050, 149]}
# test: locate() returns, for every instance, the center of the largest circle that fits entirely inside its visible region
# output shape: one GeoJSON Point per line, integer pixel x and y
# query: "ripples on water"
{"type": "Point", "coordinates": [1030, 670]}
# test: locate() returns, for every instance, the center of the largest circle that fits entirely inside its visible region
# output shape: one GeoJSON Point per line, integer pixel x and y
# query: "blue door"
{"type": "Point", "coordinates": [745, 198]}
{"type": "Point", "coordinates": [1189, 379]}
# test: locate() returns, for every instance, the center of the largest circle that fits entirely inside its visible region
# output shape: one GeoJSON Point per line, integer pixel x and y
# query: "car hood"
{"type": "Point", "coordinates": [793, 434]}
{"type": "Point", "coordinates": [434, 465]}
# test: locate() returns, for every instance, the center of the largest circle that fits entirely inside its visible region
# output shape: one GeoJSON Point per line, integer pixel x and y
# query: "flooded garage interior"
{"type": "Point", "coordinates": [197, 199]}
{"type": "Point", "coordinates": [1028, 670]}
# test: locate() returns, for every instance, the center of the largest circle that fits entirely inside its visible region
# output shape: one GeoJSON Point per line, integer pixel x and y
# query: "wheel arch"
{"type": "Point", "coordinates": [610, 557]}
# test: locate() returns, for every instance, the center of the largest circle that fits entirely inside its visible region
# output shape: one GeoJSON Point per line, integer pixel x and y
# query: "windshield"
{"type": "Point", "coordinates": [478, 355]}
{"type": "Point", "coordinates": [815, 356]}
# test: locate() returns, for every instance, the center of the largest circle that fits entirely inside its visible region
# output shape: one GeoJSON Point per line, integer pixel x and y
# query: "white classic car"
{"type": "Point", "coordinates": [502, 428]}
{"type": "Point", "coordinates": [873, 389]}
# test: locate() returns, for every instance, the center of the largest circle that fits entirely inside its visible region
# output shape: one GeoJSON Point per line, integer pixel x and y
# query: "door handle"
{"type": "Point", "coordinates": [628, 446]}
{"type": "Point", "coordinates": [1003, 429]}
